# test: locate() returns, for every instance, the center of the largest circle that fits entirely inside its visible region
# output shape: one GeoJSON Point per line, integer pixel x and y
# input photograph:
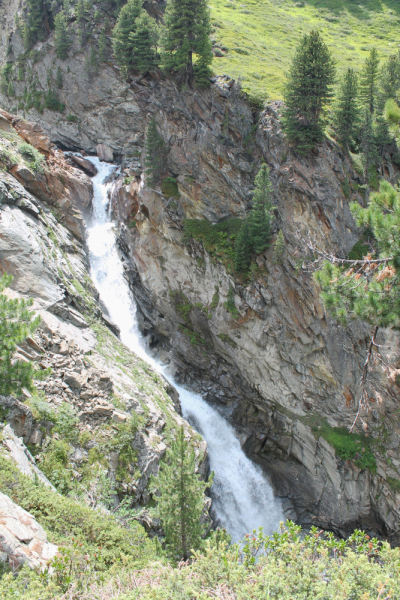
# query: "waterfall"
{"type": "Point", "coordinates": [242, 497]}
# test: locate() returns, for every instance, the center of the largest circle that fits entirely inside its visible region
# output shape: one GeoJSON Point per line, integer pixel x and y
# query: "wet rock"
{"type": "Point", "coordinates": [84, 164]}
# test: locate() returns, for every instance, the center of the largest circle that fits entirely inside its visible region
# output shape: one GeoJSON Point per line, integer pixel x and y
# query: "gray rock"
{"type": "Point", "coordinates": [105, 153]}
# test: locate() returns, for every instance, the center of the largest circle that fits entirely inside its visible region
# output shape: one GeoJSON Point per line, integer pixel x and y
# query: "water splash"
{"type": "Point", "coordinates": [243, 499]}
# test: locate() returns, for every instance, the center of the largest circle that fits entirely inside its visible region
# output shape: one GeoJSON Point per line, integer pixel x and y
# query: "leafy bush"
{"type": "Point", "coordinates": [218, 239]}
{"type": "Point", "coordinates": [34, 157]}
{"type": "Point", "coordinates": [51, 102]}
{"type": "Point", "coordinates": [169, 187]}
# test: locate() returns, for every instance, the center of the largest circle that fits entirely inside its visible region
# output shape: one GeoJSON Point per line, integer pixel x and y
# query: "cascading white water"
{"type": "Point", "coordinates": [242, 497]}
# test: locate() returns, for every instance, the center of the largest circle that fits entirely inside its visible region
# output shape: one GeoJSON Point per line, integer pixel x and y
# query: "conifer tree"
{"type": "Point", "coordinates": [368, 144]}
{"type": "Point", "coordinates": [59, 78]}
{"type": "Point", "coordinates": [61, 36]}
{"type": "Point", "coordinates": [389, 79]}
{"type": "Point", "coordinates": [144, 41]}
{"type": "Point", "coordinates": [369, 80]}
{"type": "Point", "coordinates": [122, 44]}
{"type": "Point", "coordinates": [243, 249]}
{"type": "Point", "coordinates": [180, 503]}
{"type": "Point", "coordinates": [39, 22]}
{"type": "Point", "coordinates": [260, 215]}
{"type": "Point", "coordinates": [156, 154]}
{"type": "Point", "coordinates": [357, 290]}
{"type": "Point", "coordinates": [346, 118]}
{"type": "Point", "coordinates": [187, 31]}
{"type": "Point", "coordinates": [308, 90]}
{"type": "Point", "coordinates": [103, 46]}
{"type": "Point", "coordinates": [16, 324]}
{"type": "Point", "coordinates": [81, 14]}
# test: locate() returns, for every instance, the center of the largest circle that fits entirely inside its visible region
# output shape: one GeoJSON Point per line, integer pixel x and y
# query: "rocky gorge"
{"type": "Point", "coordinates": [276, 365]}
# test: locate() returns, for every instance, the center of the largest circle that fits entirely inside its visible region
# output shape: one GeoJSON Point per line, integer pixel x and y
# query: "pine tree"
{"type": "Point", "coordinates": [357, 290]}
{"type": "Point", "coordinates": [346, 116]}
{"type": "Point", "coordinates": [39, 22]}
{"type": "Point", "coordinates": [308, 90]}
{"type": "Point", "coordinates": [103, 46]}
{"type": "Point", "coordinates": [389, 79]}
{"type": "Point", "coordinates": [59, 78]}
{"type": "Point", "coordinates": [369, 80]}
{"type": "Point", "coordinates": [81, 14]}
{"type": "Point", "coordinates": [260, 215]}
{"type": "Point", "coordinates": [144, 41]}
{"type": "Point", "coordinates": [279, 248]}
{"type": "Point", "coordinates": [368, 144]}
{"type": "Point", "coordinates": [156, 154]}
{"type": "Point", "coordinates": [180, 503]}
{"type": "Point", "coordinates": [243, 249]}
{"type": "Point", "coordinates": [122, 44]}
{"type": "Point", "coordinates": [61, 36]}
{"type": "Point", "coordinates": [16, 324]}
{"type": "Point", "coordinates": [187, 31]}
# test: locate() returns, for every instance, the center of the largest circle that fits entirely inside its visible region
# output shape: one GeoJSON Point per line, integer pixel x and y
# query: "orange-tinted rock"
{"type": "Point", "coordinates": [34, 134]}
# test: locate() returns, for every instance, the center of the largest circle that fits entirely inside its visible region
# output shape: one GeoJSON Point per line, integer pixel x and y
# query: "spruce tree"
{"type": "Point", "coordinates": [81, 17]}
{"type": "Point", "coordinates": [260, 215]}
{"type": "Point", "coordinates": [17, 322]}
{"type": "Point", "coordinates": [122, 44]}
{"type": "Point", "coordinates": [156, 154]}
{"type": "Point", "coordinates": [243, 249]}
{"type": "Point", "coordinates": [346, 116]}
{"type": "Point", "coordinates": [389, 79]}
{"type": "Point", "coordinates": [144, 41]}
{"type": "Point", "coordinates": [39, 22]}
{"type": "Point", "coordinates": [187, 31]}
{"type": "Point", "coordinates": [180, 503]}
{"type": "Point", "coordinates": [368, 147]}
{"type": "Point", "coordinates": [307, 92]}
{"type": "Point", "coordinates": [103, 46]}
{"type": "Point", "coordinates": [61, 36]}
{"type": "Point", "coordinates": [59, 78]}
{"type": "Point", "coordinates": [369, 80]}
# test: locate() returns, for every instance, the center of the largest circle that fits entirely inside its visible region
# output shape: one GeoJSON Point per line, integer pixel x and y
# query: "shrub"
{"type": "Point", "coordinates": [34, 157]}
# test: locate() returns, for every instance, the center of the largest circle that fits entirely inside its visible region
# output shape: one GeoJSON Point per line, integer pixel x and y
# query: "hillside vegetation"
{"type": "Point", "coordinates": [260, 36]}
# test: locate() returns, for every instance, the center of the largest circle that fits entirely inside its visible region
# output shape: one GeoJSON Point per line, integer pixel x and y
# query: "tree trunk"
{"type": "Point", "coordinates": [189, 68]}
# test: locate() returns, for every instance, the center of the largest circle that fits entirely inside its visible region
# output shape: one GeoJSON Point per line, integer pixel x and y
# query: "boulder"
{"type": "Point", "coordinates": [83, 164]}
{"type": "Point", "coordinates": [105, 153]}
{"type": "Point", "coordinates": [75, 380]}
{"type": "Point", "coordinates": [22, 540]}
{"type": "Point", "coordinates": [33, 134]}
{"type": "Point", "coordinates": [18, 416]}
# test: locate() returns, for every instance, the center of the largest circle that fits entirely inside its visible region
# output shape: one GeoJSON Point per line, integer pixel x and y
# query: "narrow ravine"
{"type": "Point", "coordinates": [242, 497]}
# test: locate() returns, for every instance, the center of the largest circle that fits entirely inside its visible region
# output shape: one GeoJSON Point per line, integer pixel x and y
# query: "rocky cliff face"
{"type": "Point", "coordinates": [102, 417]}
{"type": "Point", "coordinates": [277, 366]}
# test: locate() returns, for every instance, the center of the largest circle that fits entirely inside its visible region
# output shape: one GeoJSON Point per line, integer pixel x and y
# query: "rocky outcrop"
{"type": "Point", "coordinates": [22, 540]}
{"type": "Point", "coordinates": [121, 415]}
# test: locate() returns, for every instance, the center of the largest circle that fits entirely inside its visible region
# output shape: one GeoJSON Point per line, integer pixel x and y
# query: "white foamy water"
{"type": "Point", "coordinates": [243, 499]}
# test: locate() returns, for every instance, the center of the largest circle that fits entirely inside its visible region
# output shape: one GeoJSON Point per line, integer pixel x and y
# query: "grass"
{"type": "Point", "coordinates": [218, 239]}
{"type": "Point", "coordinates": [261, 35]}
{"type": "Point", "coordinates": [348, 446]}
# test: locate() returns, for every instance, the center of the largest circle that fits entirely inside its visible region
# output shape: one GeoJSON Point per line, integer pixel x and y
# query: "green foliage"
{"type": "Point", "coordinates": [358, 251]}
{"type": "Point", "coordinates": [59, 78]}
{"type": "Point", "coordinates": [260, 215]}
{"type": "Point", "coordinates": [215, 299]}
{"type": "Point", "coordinates": [218, 239]}
{"type": "Point", "coordinates": [227, 340]}
{"type": "Point", "coordinates": [54, 465]}
{"type": "Point", "coordinates": [78, 530]}
{"type": "Point", "coordinates": [369, 80]}
{"type": "Point", "coordinates": [230, 303]}
{"type": "Point", "coordinates": [39, 22]}
{"type": "Point", "coordinates": [346, 115]}
{"type": "Point", "coordinates": [369, 152]}
{"type": "Point", "coordinates": [169, 187]}
{"type": "Point", "coordinates": [180, 499]}
{"type": "Point", "coordinates": [17, 322]}
{"type": "Point", "coordinates": [33, 156]}
{"type": "Point", "coordinates": [66, 424]}
{"type": "Point", "coordinates": [243, 249]}
{"type": "Point", "coordinates": [6, 77]}
{"type": "Point", "coordinates": [144, 40]}
{"type": "Point", "coordinates": [279, 248]}
{"type": "Point", "coordinates": [186, 34]}
{"type": "Point", "coordinates": [61, 37]}
{"type": "Point", "coordinates": [103, 46]}
{"type": "Point", "coordinates": [389, 79]}
{"type": "Point", "coordinates": [308, 90]}
{"type": "Point", "coordinates": [357, 290]}
{"type": "Point", "coordinates": [51, 101]}
{"type": "Point", "coordinates": [349, 446]}
{"type": "Point", "coordinates": [135, 38]}
{"type": "Point", "coordinates": [182, 304]}
{"type": "Point", "coordinates": [156, 154]}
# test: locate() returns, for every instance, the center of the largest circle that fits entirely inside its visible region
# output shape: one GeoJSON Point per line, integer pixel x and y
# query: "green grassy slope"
{"type": "Point", "coordinates": [261, 35]}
